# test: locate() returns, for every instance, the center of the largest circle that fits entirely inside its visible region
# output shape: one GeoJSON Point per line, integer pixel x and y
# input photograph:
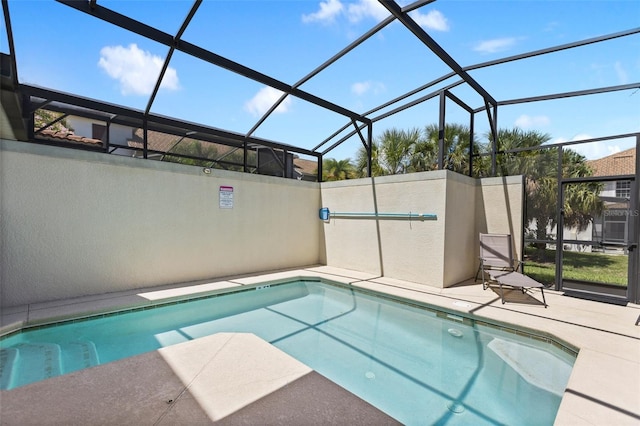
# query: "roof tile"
{"type": "Point", "coordinates": [620, 163]}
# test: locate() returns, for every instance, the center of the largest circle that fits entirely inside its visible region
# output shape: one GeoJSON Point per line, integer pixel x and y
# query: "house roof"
{"type": "Point", "coordinates": [156, 141]}
{"type": "Point", "coordinates": [618, 164]}
{"type": "Point", "coordinates": [307, 167]}
{"type": "Point", "coordinates": [67, 136]}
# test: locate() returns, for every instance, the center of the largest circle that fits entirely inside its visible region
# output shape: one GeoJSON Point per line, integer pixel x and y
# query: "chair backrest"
{"type": "Point", "coordinates": [495, 250]}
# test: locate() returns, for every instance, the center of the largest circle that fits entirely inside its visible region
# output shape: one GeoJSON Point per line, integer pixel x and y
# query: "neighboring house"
{"type": "Point", "coordinates": [128, 141]}
{"type": "Point", "coordinates": [612, 228]}
{"type": "Point", "coordinates": [307, 169]}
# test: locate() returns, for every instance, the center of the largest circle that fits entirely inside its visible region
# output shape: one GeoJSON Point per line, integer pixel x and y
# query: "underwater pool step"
{"type": "Point", "coordinates": [539, 368]}
{"type": "Point", "coordinates": [79, 354]}
{"type": "Point", "coordinates": [7, 361]}
{"type": "Point", "coordinates": [30, 362]}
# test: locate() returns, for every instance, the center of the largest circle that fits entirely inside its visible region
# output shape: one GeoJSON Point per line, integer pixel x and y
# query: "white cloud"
{"type": "Point", "coordinates": [329, 10]}
{"type": "Point", "coordinates": [326, 14]}
{"type": "Point", "coordinates": [551, 26]}
{"type": "Point", "coordinates": [614, 149]}
{"type": "Point", "coordinates": [623, 77]}
{"type": "Point", "coordinates": [495, 45]}
{"type": "Point", "coordinates": [434, 20]}
{"type": "Point", "coordinates": [591, 151]}
{"type": "Point", "coordinates": [527, 121]}
{"type": "Point", "coordinates": [137, 70]}
{"type": "Point", "coordinates": [264, 99]}
{"type": "Point", "coordinates": [578, 137]}
{"type": "Point", "coordinates": [581, 137]}
{"type": "Point", "coordinates": [366, 9]}
{"type": "Point", "coordinates": [362, 87]}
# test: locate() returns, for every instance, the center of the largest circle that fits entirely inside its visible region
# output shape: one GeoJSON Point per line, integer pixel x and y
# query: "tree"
{"type": "Point", "coordinates": [391, 152]}
{"type": "Point", "coordinates": [362, 160]}
{"type": "Point", "coordinates": [202, 152]}
{"type": "Point", "coordinates": [333, 169]}
{"type": "Point", "coordinates": [540, 168]}
{"type": "Point", "coordinates": [456, 148]}
{"type": "Point", "coordinates": [43, 117]}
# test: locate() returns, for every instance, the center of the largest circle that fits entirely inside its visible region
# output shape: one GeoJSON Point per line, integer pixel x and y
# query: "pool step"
{"type": "Point", "coordinates": [538, 367]}
{"type": "Point", "coordinates": [78, 354]}
{"type": "Point", "coordinates": [31, 362]}
{"type": "Point", "coordinates": [7, 360]}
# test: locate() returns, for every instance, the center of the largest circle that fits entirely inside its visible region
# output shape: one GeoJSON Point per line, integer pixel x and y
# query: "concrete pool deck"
{"type": "Point", "coordinates": [240, 379]}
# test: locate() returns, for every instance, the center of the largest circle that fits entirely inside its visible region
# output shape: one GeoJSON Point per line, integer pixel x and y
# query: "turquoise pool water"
{"type": "Point", "coordinates": [418, 365]}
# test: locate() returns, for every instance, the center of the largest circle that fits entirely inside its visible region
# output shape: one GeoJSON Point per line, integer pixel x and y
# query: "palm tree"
{"type": "Point", "coordinates": [333, 169]}
{"type": "Point", "coordinates": [424, 156]}
{"type": "Point", "coordinates": [582, 202]}
{"type": "Point", "coordinates": [539, 166]}
{"type": "Point", "coordinates": [391, 153]}
{"type": "Point", "coordinates": [395, 149]}
{"type": "Point", "coordinates": [456, 147]}
{"type": "Point", "coordinates": [362, 161]}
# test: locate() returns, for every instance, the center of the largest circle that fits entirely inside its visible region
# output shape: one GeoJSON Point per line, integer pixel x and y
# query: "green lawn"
{"type": "Point", "coordinates": [593, 267]}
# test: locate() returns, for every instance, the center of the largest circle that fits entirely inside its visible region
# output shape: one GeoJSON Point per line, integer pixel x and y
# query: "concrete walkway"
{"type": "Point", "coordinates": [240, 379]}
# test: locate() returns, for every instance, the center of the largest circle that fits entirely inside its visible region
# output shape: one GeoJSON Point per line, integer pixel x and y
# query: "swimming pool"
{"type": "Point", "coordinates": [419, 365]}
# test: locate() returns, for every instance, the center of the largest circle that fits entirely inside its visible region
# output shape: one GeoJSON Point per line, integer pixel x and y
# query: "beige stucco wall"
{"type": "Point", "coordinates": [403, 249]}
{"type": "Point", "coordinates": [460, 232]}
{"type": "Point", "coordinates": [76, 223]}
{"type": "Point", "coordinates": [499, 208]}
{"type": "Point", "coordinates": [435, 253]}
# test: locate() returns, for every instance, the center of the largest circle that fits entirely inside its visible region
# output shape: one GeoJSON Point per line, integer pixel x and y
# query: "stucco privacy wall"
{"type": "Point", "coordinates": [460, 252]}
{"type": "Point", "coordinates": [437, 253]}
{"type": "Point", "coordinates": [499, 209]}
{"type": "Point", "coordinates": [405, 249]}
{"type": "Point", "coordinates": [76, 223]}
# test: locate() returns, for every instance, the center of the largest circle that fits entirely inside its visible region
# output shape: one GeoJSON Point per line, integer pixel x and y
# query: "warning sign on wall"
{"type": "Point", "coordinates": [226, 197]}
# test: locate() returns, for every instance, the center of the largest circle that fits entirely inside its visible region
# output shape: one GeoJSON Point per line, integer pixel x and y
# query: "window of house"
{"type": "Point", "coordinates": [623, 189]}
{"type": "Point", "coordinates": [98, 131]}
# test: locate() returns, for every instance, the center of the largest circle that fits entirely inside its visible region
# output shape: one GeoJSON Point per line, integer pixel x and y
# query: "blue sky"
{"type": "Point", "coordinates": [66, 50]}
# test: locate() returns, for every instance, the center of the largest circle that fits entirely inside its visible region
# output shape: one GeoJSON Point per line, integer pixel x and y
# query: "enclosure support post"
{"type": "Point", "coordinates": [441, 126]}
{"type": "Point", "coordinates": [559, 222]}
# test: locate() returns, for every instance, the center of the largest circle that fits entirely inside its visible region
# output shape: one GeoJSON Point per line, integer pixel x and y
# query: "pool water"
{"type": "Point", "coordinates": [418, 365]}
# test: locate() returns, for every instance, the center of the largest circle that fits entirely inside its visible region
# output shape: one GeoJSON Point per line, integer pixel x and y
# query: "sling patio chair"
{"type": "Point", "coordinates": [496, 260]}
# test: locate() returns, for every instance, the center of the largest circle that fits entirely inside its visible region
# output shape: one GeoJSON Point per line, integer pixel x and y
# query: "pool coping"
{"type": "Point", "coordinates": [604, 386]}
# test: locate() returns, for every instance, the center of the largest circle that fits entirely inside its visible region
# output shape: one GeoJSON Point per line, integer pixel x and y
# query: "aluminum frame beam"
{"type": "Point", "coordinates": [167, 59]}
{"type": "Point", "coordinates": [526, 55]}
{"type": "Point", "coordinates": [155, 121]}
{"type": "Point", "coordinates": [425, 38]}
{"type": "Point", "coordinates": [571, 94]}
{"type": "Point", "coordinates": [378, 27]}
{"type": "Point", "coordinates": [161, 37]}
{"type": "Point", "coordinates": [12, 48]}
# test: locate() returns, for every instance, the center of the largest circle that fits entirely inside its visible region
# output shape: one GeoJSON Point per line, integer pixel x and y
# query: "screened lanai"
{"type": "Point", "coordinates": [278, 88]}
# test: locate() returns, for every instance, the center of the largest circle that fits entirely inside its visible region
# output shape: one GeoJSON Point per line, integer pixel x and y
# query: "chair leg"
{"type": "Point", "coordinates": [543, 299]}
{"type": "Point", "coordinates": [501, 292]}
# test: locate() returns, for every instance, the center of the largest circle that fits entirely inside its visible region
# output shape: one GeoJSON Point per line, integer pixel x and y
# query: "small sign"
{"type": "Point", "coordinates": [226, 197]}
